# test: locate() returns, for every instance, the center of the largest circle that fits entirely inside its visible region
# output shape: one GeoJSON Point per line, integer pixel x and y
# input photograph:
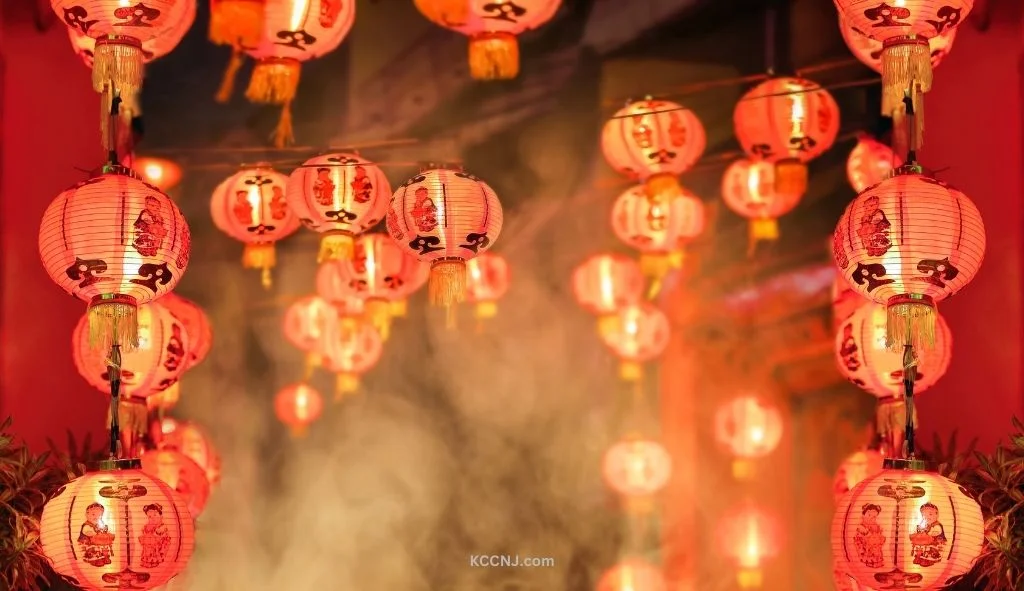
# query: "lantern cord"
{"type": "Point", "coordinates": [909, 375]}
{"type": "Point", "coordinates": [115, 110]}
{"type": "Point", "coordinates": [908, 103]}
{"type": "Point", "coordinates": [114, 376]}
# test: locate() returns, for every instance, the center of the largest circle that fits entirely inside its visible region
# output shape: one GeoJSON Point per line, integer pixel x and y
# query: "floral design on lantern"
{"type": "Point", "coordinates": [869, 51]}
{"type": "Point", "coordinates": [632, 575]}
{"type": "Point", "coordinates": [161, 173]}
{"type": "Point", "coordinates": [338, 195]}
{"type": "Point", "coordinates": [748, 428]}
{"type": "Point", "coordinates": [114, 272]}
{"type": "Point", "coordinates": [487, 281]}
{"type": "Point", "coordinates": [870, 163]}
{"type": "Point", "coordinates": [194, 442]}
{"type": "Point", "coordinates": [908, 243]}
{"type": "Point", "coordinates": [636, 467]}
{"type": "Point", "coordinates": [653, 141]}
{"type": "Point", "coordinates": [492, 28]}
{"type": "Point", "coordinates": [854, 469]}
{"type": "Point", "coordinates": [749, 536]}
{"type": "Point", "coordinates": [180, 473]}
{"type": "Point", "coordinates": [659, 229]}
{"type": "Point", "coordinates": [297, 406]}
{"type": "Point", "coordinates": [197, 326]}
{"type": "Point", "coordinates": [637, 334]}
{"type": "Point", "coordinates": [83, 527]}
{"type": "Point", "coordinates": [749, 190]}
{"type": "Point", "coordinates": [349, 350]}
{"type": "Point", "coordinates": [304, 325]}
{"type": "Point", "coordinates": [605, 283]}
{"type": "Point", "coordinates": [250, 206]}
{"type": "Point", "coordinates": [906, 527]}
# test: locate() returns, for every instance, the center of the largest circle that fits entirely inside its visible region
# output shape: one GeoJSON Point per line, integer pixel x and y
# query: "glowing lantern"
{"type": "Point", "coordinates": [349, 351]}
{"type": "Point", "coordinates": [906, 527]}
{"type": "Point", "coordinates": [637, 334]}
{"type": "Point", "coordinates": [237, 24]}
{"type": "Point", "coordinates": [294, 31]}
{"type": "Point", "coordinates": [445, 217]}
{"type": "Point", "coordinates": [660, 228]}
{"type": "Point", "coordinates": [605, 283]}
{"type": "Point", "coordinates": [117, 527]}
{"type": "Point", "coordinates": [844, 582]}
{"type": "Point", "coordinates": [749, 536]}
{"type": "Point", "coordinates": [870, 163]}
{"type": "Point", "coordinates": [250, 206]}
{"type": "Point", "coordinates": [339, 196]}
{"type": "Point", "coordinates": [333, 285]}
{"type": "Point", "coordinates": [193, 441]}
{"type": "Point", "coordinates": [492, 28]}
{"type": "Point", "coordinates": [487, 281]}
{"type": "Point", "coordinates": [788, 122]}
{"type": "Point", "coordinates": [152, 49]}
{"type": "Point", "coordinates": [297, 406]}
{"type": "Point", "coordinates": [869, 51]}
{"type": "Point", "coordinates": [748, 428]}
{"type": "Point", "coordinates": [632, 575]}
{"type": "Point", "coordinates": [845, 301]}
{"type": "Point", "coordinates": [637, 467]}
{"type": "Point", "coordinates": [161, 173]}
{"type": "Point", "coordinates": [855, 468]}
{"type": "Point", "coordinates": [909, 242]}
{"type": "Point", "coordinates": [748, 188]}
{"type": "Point", "coordinates": [653, 141]}
{"type": "Point", "coordinates": [306, 321]}
{"type": "Point", "coordinates": [114, 272]}
{"type": "Point", "coordinates": [181, 474]}
{"type": "Point", "coordinates": [197, 326]}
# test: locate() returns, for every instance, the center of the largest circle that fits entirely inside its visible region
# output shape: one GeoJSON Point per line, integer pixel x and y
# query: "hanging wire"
{"type": "Point", "coordinates": [114, 376]}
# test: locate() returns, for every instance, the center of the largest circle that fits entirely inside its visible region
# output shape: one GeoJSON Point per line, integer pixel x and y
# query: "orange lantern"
{"type": "Point", "coordinates": [906, 527]}
{"type": "Point", "coordinates": [236, 23]}
{"type": "Point", "coordinates": [349, 351]}
{"type": "Point", "coordinates": [855, 468]}
{"type": "Point", "coordinates": [305, 323]}
{"type": "Point", "coordinates": [492, 28]}
{"type": "Point", "coordinates": [338, 196]}
{"type": "Point", "coordinates": [181, 474]}
{"type": "Point", "coordinates": [788, 122]}
{"type": "Point", "coordinates": [250, 206]}
{"type": "Point", "coordinates": [487, 281]}
{"type": "Point", "coordinates": [653, 141]}
{"type": "Point", "coordinates": [632, 575]}
{"type": "Point", "coordinates": [161, 173]}
{"type": "Point", "coordinates": [749, 536]}
{"type": "Point", "coordinates": [117, 527]}
{"type": "Point", "coordinates": [870, 163]}
{"type": "Point", "coordinates": [114, 272]}
{"type": "Point", "coordinates": [869, 51]}
{"type": "Point", "coordinates": [748, 188]}
{"type": "Point", "coordinates": [293, 33]}
{"type": "Point", "coordinates": [445, 217]}
{"type": "Point", "coordinates": [197, 326]}
{"type": "Point", "coordinates": [639, 333]}
{"type": "Point", "coordinates": [637, 467]}
{"type": "Point", "coordinates": [415, 277]}
{"type": "Point", "coordinates": [660, 228]}
{"type": "Point", "coordinates": [748, 428]}
{"type": "Point", "coordinates": [605, 283]}
{"type": "Point", "coordinates": [845, 301]}
{"type": "Point", "coordinates": [297, 406]}
{"type": "Point", "coordinates": [194, 442]}
{"type": "Point", "coordinates": [908, 243]}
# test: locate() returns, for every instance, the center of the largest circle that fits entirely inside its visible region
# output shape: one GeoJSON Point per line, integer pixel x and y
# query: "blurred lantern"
{"type": "Point", "coordinates": [632, 575]}
{"type": "Point", "coordinates": [638, 333]}
{"type": "Point", "coordinates": [653, 141]}
{"type": "Point", "coordinates": [194, 442]}
{"type": "Point", "coordinates": [117, 527]}
{"type": "Point", "coordinates": [293, 32]}
{"type": "Point", "coordinates": [414, 278]}
{"type": "Point", "coordinates": [748, 428]}
{"type": "Point", "coordinates": [250, 206]}
{"type": "Point", "coordinates": [749, 536]}
{"type": "Point", "coordinates": [161, 173]}
{"type": "Point", "coordinates": [297, 406]}
{"type": "Point", "coordinates": [305, 324]}
{"type": "Point", "coordinates": [788, 122]}
{"type": "Point", "coordinates": [855, 468]}
{"type": "Point", "coordinates": [486, 282]}
{"type": "Point", "coordinates": [869, 50]}
{"type": "Point", "coordinates": [845, 301]}
{"type": "Point", "coordinates": [637, 467]}
{"type": "Point", "coordinates": [659, 229]}
{"type": "Point", "coordinates": [870, 163]}
{"type": "Point", "coordinates": [180, 473]}
{"type": "Point", "coordinates": [237, 24]}
{"type": "Point", "coordinates": [492, 28]}
{"type": "Point", "coordinates": [445, 217]}
{"type": "Point", "coordinates": [197, 326]}
{"type": "Point", "coordinates": [349, 351]}
{"type": "Point", "coordinates": [909, 242]}
{"type": "Point", "coordinates": [338, 196]}
{"type": "Point", "coordinates": [334, 287]}
{"type": "Point", "coordinates": [748, 188]}
{"type": "Point", "coordinates": [152, 49]}
{"type": "Point", "coordinates": [906, 527]}
{"type": "Point", "coordinates": [114, 272]}
{"type": "Point", "coordinates": [605, 283]}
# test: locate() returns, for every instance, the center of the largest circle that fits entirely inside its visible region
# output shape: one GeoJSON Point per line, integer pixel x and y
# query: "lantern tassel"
{"type": "Point", "coordinates": [486, 310]}
{"type": "Point", "coordinates": [891, 418]}
{"type": "Point", "coordinates": [742, 469]}
{"type": "Point", "coordinates": [378, 312]}
{"type": "Point", "coordinates": [118, 63]}
{"type": "Point", "coordinates": [631, 371]}
{"type": "Point", "coordinates": [132, 424]}
{"type": "Point", "coordinates": [447, 282]}
{"type": "Point", "coordinates": [790, 177]}
{"type": "Point", "coordinates": [761, 230]}
{"type": "Point", "coordinates": [910, 320]}
{"type": "Point", "coordinates": [336, 246]}
{"type": "Point", "coordinates": [299, 431]}
{"type": "Point", "coordinates": [114, 320]}
{"type": "Point", "coordinates": [749, 578]}
{"type": "Point", "coordinates": [345, 384]}
{"type": "Point", "coordinates": [909, 376]}
{"type": "Point", "coordinates": [238, 23]}
{"type": "Point", "coordinates": [400, 308]}
{"type": "Point", "coordinates": [312, 362]}
{"type": "Point", "coordinates": [493, 56]}
{"type": "Point", "coordinates": [284, 133]}
{"type": "Point", "coordinates": [906, 68]}
{"type": "Point", "coordinates": [275, 81]}
{"type": "Point", "coordinates": [261, 256]}
{"type": "Point", "coordinates": [227, 83]}
{"type": "Point", "coordinates": [662, 187]}
{"type": "Point", "coordinates": [114, 376]}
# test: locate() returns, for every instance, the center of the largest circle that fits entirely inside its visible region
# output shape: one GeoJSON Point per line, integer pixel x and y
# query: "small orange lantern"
{"type": "Point", "coordinates": [855, 468]}
{"type": "Point", "coordinates": [632, 575]}
{"type": "Point", "coordinates": [193, 441]}
{"type": "Point", "coordinates": [349, 351]}
{"type": "Point", "coordinates": [749, 536]}
{"type": "Point", "coordinates": [605, 283]}
{"type": "Point", "coordinates": [297, 406]}
{"type": "Point", "coordinates": [660, 228]}
{"type": "Point", "coordinates": [487, 281]}
{"type": "Point", "coordinates": [748, 188]}
{"type": "Point", "coordinates": [197, 326]}
{"type": "Point", "coordinates": [181, 474]}
{"type": "Point", "coordinates": [305, 323]}
{"type": "Point", "coordinates": [870, 163]}
{"type": "Point", "coordinates": [161, 173]}
{"type": "Point", "coordinates": [637, 467]}
{"type": "Point", "coordinates": [637, 334]}
{"type": "Point", "coordinates": [748, 428]}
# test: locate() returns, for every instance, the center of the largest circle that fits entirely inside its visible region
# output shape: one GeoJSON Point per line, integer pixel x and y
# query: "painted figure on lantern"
{"type": "Point", "coordinates": [869, 538]}
{"type": "Point", "coordinates": [149, 228]}
{"type": "Point", "coordinates": [874, 228]}
{"type": "Point", "coordinates": [849, 351]}
{"type": "Point", "coordinates": [424, 211]}
{"type": "Point", "coordinates": [929, 538]}
{"type": "Point", "coordinates": [362, 185]}
{"type": "Point", "coordinates": [154, 538]}
{"type": "Point", "coordinates": [323, 187]}
{"type": "Point", "coordinates": [95, 538]}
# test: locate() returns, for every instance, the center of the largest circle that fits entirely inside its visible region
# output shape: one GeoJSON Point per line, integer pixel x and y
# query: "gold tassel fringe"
{"type": "Point", "coordinates": [764, 229]}
{"type": "Point", "coordinates": [631, 371]}
{"type": "Point", "coordinates": [658, 264]}
{"type": "Point", "coordinates": [906, 67]}
{"type": "Point", "coordinates": [227, 83]}
{"type": "Point", "coordinates": [118, 61]}
{"type": "Point", "coordinates": [165, 400]}
{"type": "Point", "coordinates": [114, 320]}
{"type": "Point", "coordinates": [261, 256]}
{"type": "Point", "coordinates": [378, 312]}
{"type": "Point", "coordinates": [485, 310]}
{"type": "Point", "coordinates": [238, 23]}
{"type": "Point", "coordinates": [790, 177]}
{"type": "Point", "coordinates": [447, 282]}
{"type": "Point", "coordinates": [336, 245]}
{"type": "Point", "coordinates": [274, 81]}
{"type": "Point", "coordinates": [637, 506]}
{"type": "Point", "coordinates": [344, 384]}
{"type": "Point", "coordinates": [608, 325]}
{"type": "Point", "coordinates": [313, 361]}
{"type": "Point", "coordinates": [493, 56]}
{"type": "Point", "coordinates": [749, 578]}
{"type": "Point", "coordinates": [662, 187]}
{"type": "Point", "coordinates": [451, 13]}
{"type": "Point", "coordinates": [400, 308]}
{"type": "Point", "coordinates": [742, 469]}
{"type": "Point", "coordinates": [910, 320]}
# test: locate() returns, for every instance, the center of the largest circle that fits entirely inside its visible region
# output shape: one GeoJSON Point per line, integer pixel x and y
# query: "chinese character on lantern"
{"type": "Point", "coordinates": [660, 229]}
{"type": "Point", "coordinates": [870, 162]}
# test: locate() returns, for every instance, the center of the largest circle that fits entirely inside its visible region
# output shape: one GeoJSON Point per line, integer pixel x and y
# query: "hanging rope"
{"type": "Point", "coordinates": [909, 375]}
{"type": "Point", "coordinates": [114, 376]}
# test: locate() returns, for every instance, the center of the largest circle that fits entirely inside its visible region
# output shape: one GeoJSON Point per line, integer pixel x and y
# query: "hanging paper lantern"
{"type": "Point", "coordinates": [152, 49]}
{"type": "Point", "coordinates": [161, 173]}
{"type": "Point", "coordinates": [748, 428]}
{"type": "Point", "coordinates": [117, 527]}
{"type": "Point", "coordinates": [414, 278]}
{"type": "Point", "coordinates": [637, 467]}
{"type": "Point", "coordinates": [339, 196]}
{"type": "Point", "coordinates": [349, 351]}
{"type": "Point", "coordinates": [637, 334]}
{"type": "Point", "coordinates": [870, 163]}
{"type": "Point", "coordinates": [749, 536]}
{"type": "Point", "coordinates": [855, 468]}
{"type": "Point", "coordinates": [486, 283]}
{"type": "Point", "coordinates": [445, 217]}
{"type": "Point", "coordinates": [114, 272]}
{"type": "Point", "coordinates": [250, 206]}
{"type": "Point", "coordinates": [632, 575]}
{"type": "Point", "coordinates": [606, 283]}
{"type": "Point", "coordinates": [335, 287]}
{"type": "Point", "coordinates": [788, 122]}
{"type": "Point", "coordinates": [748, 189]}
{"type": "Point", "coordinates": [492, 28]}
{"type": "Point", "coordinates": [297, 406]}
{"type": "Point", "coordinates": [236, 23]}
{"type": "Point", "coordinates": [180, 473]}
{"type": "Point", "coordinates": [845, 301]}
{"type": "Point", "coordinates": [194, 442]}
{"type": "Point", "coordinates": [659, 229]}
{"type": "Point", "coordinates": [197, 326]}
{"type": "Point", "coordinates": [909, 242]}
{"type": "Point", "coordinates": [654, 141]}
{"type": "Point", "coordinates": [305, 323]}
{"type": "Point", "coordinates": [869, 51]}
{"type": "Point", "coordinates": [907, 527]}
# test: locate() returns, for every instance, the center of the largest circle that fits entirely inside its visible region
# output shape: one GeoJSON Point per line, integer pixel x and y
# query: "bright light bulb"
{"type": "Point", "coordinates": [757, 434]}
{"type": "Point", "coordinates": [604, 274]}
{"type": "Point", "coordinates": [154, 172]}
{"type": "Point", "coordinates": [255, 204]}
{"type": "Point", "coordinates": [299, 10]}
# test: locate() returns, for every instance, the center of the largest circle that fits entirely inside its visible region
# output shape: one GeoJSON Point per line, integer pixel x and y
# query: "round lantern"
{"type": "Point", "coordinates": [653, 141]}
{"type": "Point", "coordinates": [605, 283]}
{"type": "Point", "coordinates": [749, 189]}
{"type": "Point", "coordinates": [250, 206]}
{"type": "Point", "coordinates": [236, 23]}
{"type": "Point", "coordinates": [855, 468]}
{"type": "Point", "coordinates": [749, 536]}
{"type": "Point", "coordinates": [197, 326]}
{"type": "Point", "coordinates": [637, 467]}
{"type": "Point", "coordinates": [159, 172]}
{"type": "Point", "coordinates": [869, 51]}
{"type": "Point", "coordinates": [788, 122]}
{"type": "Point", "coordinates": [748, 428]}
{"type": "Point", "coordinates": [636, 334]}
{"type": "Point", "coordinates": [906, 527]}
{"type": "Point", "coordinates": [157, 363]}
{"type": "Point", "coordinates": [632, 575]}
{"type": "Point", "coordinates": [492, 28]}
{"type": "Point", "coordinates": [333, 286]}
{"type": "Point", "coordinates": [349, 351]}
{"type": "Point", "coordinates": [293, 31]}
{"type": "Point", "coordinates": [114, 272]}
{"type": "Point", "coordinates": [660, 228]}
{"type": "Point", "coordinates": [306, 322]}
{"type": "Point", "coordinates": [154, 48]}
{"type": "Point", "coordinates": [117, 527]}
{"type": "Point", "coordinates": [194, 442]}
{"type": "Point", "coordinates": [845, 301]}
{"type": "Point", "coordinates": [870, 163]}
{"type": "Point", "coordinates": [445, 217]}
{"type": "Point", "coordinates": [415, 277]}
{"type": "Point", "coordinates": [338, 196]}
{"type": "Point", "coordinates": [487, 280]}
{"type": "Point", "coordinates": [909, 242]}
{"type": "Point", "coordinates": [181, 474]}
{"type": "Point", "coordinates": [297, 406]}
{"type": "Point", "coordinates": [863, 357]}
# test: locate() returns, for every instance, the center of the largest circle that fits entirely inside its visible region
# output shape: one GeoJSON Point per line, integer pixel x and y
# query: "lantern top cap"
{"type": "Point", "coordinates": [116, 170]}
{"type": "Point", "coordinates": [909, 169]}
{"type": "Point", "coordinates": [912, 465]}
{"type": "Point", "coordinates": [454, 166]}
{"type": "Point", "coordinates": [113, 465]}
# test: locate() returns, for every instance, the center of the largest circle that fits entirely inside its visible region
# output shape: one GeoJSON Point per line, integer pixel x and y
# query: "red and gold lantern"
{"type": "Point", "coordinates": [869, 50]}
{"type": "Point", "coordinates": [748, 189]}
{"type": "Point", "coordinates": [487, 280]}
{"type": "Point", "coordinates": [854, 469]}
{"type": "Point", "coordinates": [749, 536]}
{"type": "Point", "coordinates": [197, 326]}
{"type": "Point", "coordinates": [297, 406]}
{"type": "Point", "coordinates": [637, 334]}
{"type": "Point", "coordinates": [637, 467]}
{"type": "Point", "coordinates": [606, 283]}
{"type": "Point", "coordinates": [659, 229]}
{"type": "Point", "coordinates": [349, 351]}
{"type": "Point", "coordinates": [306, 322]}
{"type": "Point", "coordinates": [748, 428]}
{"type": "Point", "coordinates": [180, 473]}
{"type": "Point", "coordinates": [193, 441]}
{"type": "Point", "coordinates": [632, 575]}
{"type": "Point", "coordinates": [870, 163]}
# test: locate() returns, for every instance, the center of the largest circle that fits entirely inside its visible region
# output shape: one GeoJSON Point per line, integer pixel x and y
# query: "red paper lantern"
{"type": "Point", "coordinates": [869, 51]}
{"type": "Point", "coordinates": [159, 172]}
{"type": "Point", "coordinates": [788, 122]}
{"type": "Point", "coordinates": [749, 189]}
{"type": "Point", "coordinates": [749, 536]}
{"type": "Point", "coordinates": [638, 333]}
{"type": "Point", "coordinates": [250, 206]}
{"type": "Point", "coordinates": [487, 281]}
{"type": "Point", "coordinates": [660, 228]}
{"type": "Point", "coordinates": [297, 406]}
{"type": "Point", "coordinates": [338, 196]}
{"type": "Point", "coordinates": [854, 469]}
{"type": "Point", "coordinates": [114, 272]}
{"type": "Point", "coordinates": [445, 217]}
{"type": "Point", "coordinates": [197, 326]}
{"type": "Point", "coordinates": [870, 163]}
{"type": "Point", "coordinates": [748, 428]}
{"type": "Point", "coordinates": [154, 48]}
{"type": "Point", "coordinates": [632, 575]}
{"type": "Point", "coordinates": [605, 283]}
{"type": "Point", "coordinates": [334, 286]}
{"type": "Point", "coordinates": [194, 442]}
{"type": "Point", "coordinates": [305, 323]}
{"type": "Point", "coordinates": [117, 527]}
{"type": "Point", "coordinates": [492, 28]}
{"type": "Point", "coordinates": [180, 473]}
{"type": "Point", "coordinates": [349, 350]}
{"type": "Point", "coordinates": [904, 526]}
{"type": "Point", "coordinates": [909, 242]}
{"type": "Point", "coordinates": [637, 467]}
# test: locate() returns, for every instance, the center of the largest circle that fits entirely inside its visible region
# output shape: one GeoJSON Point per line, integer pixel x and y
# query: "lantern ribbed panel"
{"type": "Point", "coordinates": [639, 334]}
{"type": "Point", "coordinates": [193, 441]}
{"type": "Point", "coordinates": [869, 51]}
{"type": "Point", "coordinates": [635, 574]}
{"type": "Point", "coordinates": [197, 326]}
{"type": "Point", "coordinates": [139, 536]}
{"type": "Point", "coordinates": [494, 17]}
{"type": "Point", "coordinates": [306, 320]}
{"type": "Point", "coordinates": [341, 192]}
{"type": "Point", "coordinates": [748, 427]}
{"type": "Point", "coordinates": [351, 348]}
{"type": "Point", "coordinates": [652, 137]}
{"type": "Point", "coordinates": [605, 283]}
{"type": "Point", "coordinates": [142, 21]}
{"type": "Point", "coordinates": [250, 206]}
{"type": "Point", "coordinates": [845, 300]}
{"type": "Point", "coordinates": [161, 173]}
{"type": "Point", "coordinates": [748, 535]}
{"type": "Point", "coordinates": [910, 234]}
{"type": "Point", "coordinates": [302, 30]}
{"type": "Point", "coordinates": [786, 118]}
{"type": "Point", "coordinates": [180, 473]}
{"type": "Point", "coordinates": [298, 405]}
{"type": "Point", "coordinates": [863, 358]}
{"type": "Point", "coordinates": [870, 162]}
{"type": "Point", "coordinates": [748, 189]}
{"type": "Point", "coordinates": [152, 49]}
{"type": "Point", "coordinates": [487, 277]}
{"type": "Point", "coordinates": [881, 21]}
{"type": "Point", "coordinates": [334, 284]}
{"type": "Point", "coordinates": [911, 526]}
{"type": "Point", "coordinates": [160, 359]}
{"type": "Point", "coordinates": [114, 234]}
{"type": "Point", "coordinates": [378, 269]}
{"type": "Point", "coordinates": [854, 469]}
{"type": "Point", "coordinates": [659, 226]}
{"type": "Point", "coordinates": [636, 467]}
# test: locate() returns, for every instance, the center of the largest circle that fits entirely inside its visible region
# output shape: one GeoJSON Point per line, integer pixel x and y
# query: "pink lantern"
{"type": "Point", "coordinates": [349, 351]}
{"type": "Point", "coordinates": [869, 51]}
{"type": "Point", "coordinates": [748, 428]}
{"type": "Point", "coordinates": [637, 334]}
{"type": "Point", "coordinates": [298, 406]}
{"type": "Point", "coordinates": [193, 441]}
{"type": "Point", "coordinates": [637, 467]}
{"type": "Point", "coordinates": [748, 535]}
{"type": "Point", "coordinates": [870, 163]}
{"type": "Point", "coordinates": [605, 283]}
{"type": "Point", "coordinates": [659, 229]}
{"type": "Point", "coordinates": [487, 281]}
{"type": "Point", "coordinates": [632, 575]}
{"type": "Point", "coordinates": [152, 49]}
{"type": "Point", "coordinates": [305, 323]}
{"type": "Point", "coordinates": [197, 326]}
{"type": "Point", "coordinates": [749, 190]}
{"type": "Point", "coordinates": [180, 473]}
{"type": "Point", "coordinates": [855, 468]}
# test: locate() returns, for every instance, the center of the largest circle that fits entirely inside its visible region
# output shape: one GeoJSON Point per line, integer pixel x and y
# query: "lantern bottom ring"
{"type": "Point", "coordinates": [118, 40]}
{"type": "Point", "coordinates": [119, 464]}
{"type": "Point", "coordinates": [911, 298]}
{"type": "Point", "coordinates": [905, 40]}
{"type": "Point", "coordinates": [905, 464]}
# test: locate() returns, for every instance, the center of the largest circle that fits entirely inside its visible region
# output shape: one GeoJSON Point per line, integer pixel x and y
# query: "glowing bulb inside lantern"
{"type": "Point", "coordinates": [299, 10]}
{"type": "Point", "coordinates": [154, 172]}
{"type": "Point", "coordinates": [627, 580]}
{"type": "Point", "coordinates": [254, 204]}
{"type": "Point", "coordinates": [474, 271]}
{"type": "Point", "coordinates": [757, 434]}
{"type": "Point", "coordinates": [168, 426]}
{"type": "Point", "coordinates": [302, 405]}
{"type": "Point", "coordinates": [371, 265]}
{"type": "Point", "coordinates": [751, 555]}
{"type": "Point", "coordinates": [798, 109]}
{"type": "Point", "coordinates": [605, 279]}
